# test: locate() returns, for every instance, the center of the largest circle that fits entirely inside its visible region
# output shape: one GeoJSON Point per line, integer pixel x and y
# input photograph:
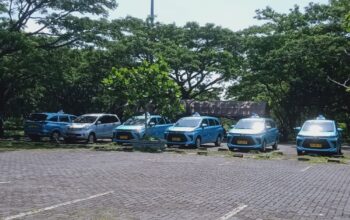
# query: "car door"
{"type": "Point", "coordinates": [161, 127]}
{"type": "Point", "coordinates": [100, 127]}
{"type": "Point", "coordinates": [213, 130]}
{"type": "Point", "coordinates": [64, 121]}
{"type": "Point", "coordinates": [152, 129]}
{"type": "Point", "coordinates": [52, 124]}
{"type": "Point", "coordinates": [274, 132]}
{"type": "Point", "coordinates": [112, 123]}
{"type": "Point", "coordinates": [205, 131]}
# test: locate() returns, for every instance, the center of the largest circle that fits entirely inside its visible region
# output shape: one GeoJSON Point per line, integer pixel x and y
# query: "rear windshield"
{"type": "Point", "coordinates": [37, 117]}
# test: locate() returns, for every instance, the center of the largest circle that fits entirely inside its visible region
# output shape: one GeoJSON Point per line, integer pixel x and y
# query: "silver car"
{"type": "Point", "coordinates": [91, 127]}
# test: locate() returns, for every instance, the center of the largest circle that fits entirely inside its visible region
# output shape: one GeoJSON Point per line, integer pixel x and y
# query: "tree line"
{"type": "Point", "coordinates": [68, 55]}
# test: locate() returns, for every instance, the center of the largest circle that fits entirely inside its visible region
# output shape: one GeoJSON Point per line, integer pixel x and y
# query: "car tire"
{"type": "Point", "coordinates": [339, 152]}
{"type": "Point", "coordinates": [263, 146]}
{"type": "Point", "coordinates": [34, 138]}
{"type": "Point", "coordinates": [55, 136]}
{"type": "Point", "coordinates": [198, 142]}
{"type": "Point", "coordinates": [218, 141]}
{"type": "Point", "coordinates": [91, 138]}
{"type": "Point", "coordinates": [275, 145]}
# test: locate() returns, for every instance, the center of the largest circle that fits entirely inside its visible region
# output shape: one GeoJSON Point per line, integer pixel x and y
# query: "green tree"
{"type": "Point", "coordinates": [143, 87]}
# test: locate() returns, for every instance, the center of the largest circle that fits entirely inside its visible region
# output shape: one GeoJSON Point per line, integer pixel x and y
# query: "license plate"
{"type": "Point", "coordinates": [124, 137]}
{"type": "Point", "coordinates": [176, 139]}
{"type": "Point", "coordinates": [242, 142]}
{"type": "Point", "coordinates": [316, 145]}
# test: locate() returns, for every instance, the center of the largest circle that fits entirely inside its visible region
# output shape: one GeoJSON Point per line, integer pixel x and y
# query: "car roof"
{"type": "Point", "coordinates": [320, 120]}
{"type": "Point", "coordinates": [257, 119]}
{"type": "Point", "coordinates": [54, 114]}
{"type": "Point", "coordinates": [149, 116]}
{"type": "Point", "coordinates": [201, 117]}
{"type": "Point", "coordinates": [97, 114]}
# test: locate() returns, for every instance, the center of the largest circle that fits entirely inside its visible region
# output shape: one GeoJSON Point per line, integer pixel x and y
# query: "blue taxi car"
{"type": "Point", "coordinates": [253, 133]}
{"type": "Point", "coordinates": [194, 131]}
{"type": "Point", "coordinates": [51, 125]}
{"type": "Point", "coordinates": [134, 128]}
{"type": "Point", "coordinates": [319, 136]}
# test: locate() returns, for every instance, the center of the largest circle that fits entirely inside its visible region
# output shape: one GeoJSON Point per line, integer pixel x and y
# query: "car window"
{"type": "Point", "coordinates": [113, 119]}
{"type": "Point", "coordinates": [72, 118]}
{"type": "Point", "coordinates": [161, 121]}
{"type": "Point", "coordinates": [273, 124]}
{"type": "Point", "coordinates": [64, 118]}
{"type": "Point", "coordinates": [167, 121]}
{"type": "Point", "coordinates": [53, 119]}
{"type": "Point", "coordinates": [268, 124]}
{"type": "Point", "coordinates": [188, 122]}
{"type": "Point", "coordinates": [154, 120]}
{"type": "Point", "coordinates": [217, 122]}
{"type": "Point", "coordinates": [211, 122]}
{"type": "Point", "coordinates": [205, 121]}
{"type": "Point", "coordinates": [104, 119]}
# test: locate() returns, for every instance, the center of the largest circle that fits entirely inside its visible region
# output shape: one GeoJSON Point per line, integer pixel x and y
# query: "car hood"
{"type": "Point", "coordinates": [181, 129]}
{"type": "Point", "coordinates": [79, 125]}
{"type": "Point", "coordinates": [316, 134]}
{"type": "Point", "coordinates": [130, 127]}
{"type": "Point", "coordinates": [245, 131]}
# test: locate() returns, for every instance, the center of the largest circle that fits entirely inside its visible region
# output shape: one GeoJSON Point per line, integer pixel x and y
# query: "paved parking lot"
{"type": "Point", "coordinates": [84, 184]}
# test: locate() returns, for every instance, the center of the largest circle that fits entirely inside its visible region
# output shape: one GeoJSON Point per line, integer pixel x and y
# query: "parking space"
{"type": "Point", "coordinates": [84, 184]}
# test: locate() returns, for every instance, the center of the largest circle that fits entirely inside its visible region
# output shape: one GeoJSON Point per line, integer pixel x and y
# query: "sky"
{"type": "Point", "coordinates": [232, 14]}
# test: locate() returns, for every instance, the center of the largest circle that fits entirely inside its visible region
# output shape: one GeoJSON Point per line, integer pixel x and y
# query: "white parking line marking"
{"type": "Point", "coordinates": [21, 215]}
{"type": "Point", "coordinates": [305, 169]}
{"type": "Point", "coordinates": [4, 182]}
{"type": "Point", "coordinates": [233, 212]}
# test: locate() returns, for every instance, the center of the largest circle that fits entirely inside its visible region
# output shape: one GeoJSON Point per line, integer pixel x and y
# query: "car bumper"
{"type": "Point", "coordinates": [248, 147]}
{"type": "Point", "coordinates": [316, 150]}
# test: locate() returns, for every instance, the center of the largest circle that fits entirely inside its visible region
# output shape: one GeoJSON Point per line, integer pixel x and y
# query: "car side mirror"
{"type": "Point", "coordinates": [98, 122]}
{"type": "Point", "coordinates": [339, 129]}
{"type": "Point", "coordinates": [152, 124]}
{"type": "Point", "coordinates": [204, 125]}
{"type": "Point", "coordinates": [297, 129]}
{"type": "Point", "coordinates": [233, 126]}
{"type": "Point", "coordinates": [268, 127]}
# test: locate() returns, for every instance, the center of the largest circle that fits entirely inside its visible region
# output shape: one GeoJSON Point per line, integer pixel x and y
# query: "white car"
{"type": "Point", "coordinates": [91, 127]}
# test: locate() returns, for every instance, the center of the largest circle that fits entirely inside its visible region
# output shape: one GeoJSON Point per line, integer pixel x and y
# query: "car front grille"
{"type": "Point", "coordinates": [236, 139]}
{"type": "Point", "coordinates": [172, 137]}
{"type": "Point", "coordinates": [323, 142]}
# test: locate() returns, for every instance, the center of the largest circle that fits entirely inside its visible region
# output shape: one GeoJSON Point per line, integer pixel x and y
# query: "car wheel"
{"type": "Point", "coordinates": [263, 146]}
{"type": "Point", "coordinates": [218, 141]}
{"type": "Point", "coordinates": [91, 138]}
{"type": "Point", "coordinates": [34, 138]}
{"type": "Point", "coordinates": [339, 151]}
{"type": "Point", "coordinates": [55, 136]}
{"type": "Point", "coordinates": [275, 146]}
{"type": "Point", "coordinates": [198, 142]}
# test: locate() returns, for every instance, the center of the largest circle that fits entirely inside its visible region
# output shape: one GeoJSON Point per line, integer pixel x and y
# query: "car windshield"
{"type": "Point", "coordinates": [85, 119]}
{"type": "Point", "coordinates": [37, 117]}
{"type": "Point", "coordinates": [257, 125]}
{"type": "Point", "coordinates": [188, 122]}
{"type": "Point", "coordinates": [135, 121]}
{"type": "Point", "coordinates": [319, 126]}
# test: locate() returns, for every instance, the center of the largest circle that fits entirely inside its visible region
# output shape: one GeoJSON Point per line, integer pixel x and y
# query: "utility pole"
{"type": "Point", "coordinates": [152, 12]}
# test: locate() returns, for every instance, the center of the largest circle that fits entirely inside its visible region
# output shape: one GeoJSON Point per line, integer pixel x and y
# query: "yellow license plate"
{"type": "Point", "coordinates": [124, 137]}
{"type": "Point", "coordinates": [316, 145]}
{"type": "Point", "coordinates": [176, 139]}
{"type": "Point", "coordinates": [242, 142]}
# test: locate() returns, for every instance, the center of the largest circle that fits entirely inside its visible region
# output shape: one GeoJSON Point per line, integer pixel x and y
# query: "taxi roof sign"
{"type": "Point", "coordinates": [321, 117]}
{"type": "Point", "coordinates": [254, 115]}
{"type": "Point", "coordinates": [196, 114]}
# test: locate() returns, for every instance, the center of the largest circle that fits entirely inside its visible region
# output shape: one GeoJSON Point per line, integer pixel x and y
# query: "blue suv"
{"type": "Point", "coordinates": [253, 133]}
{"type": "Point", "coordinates": [319, 136]}
{"type": "Point", "coordinates": [194, 131]}
{"type": "Point", "coordinates": [134, 128]}
{"type": "Point", "coordinates": [51, 125]}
